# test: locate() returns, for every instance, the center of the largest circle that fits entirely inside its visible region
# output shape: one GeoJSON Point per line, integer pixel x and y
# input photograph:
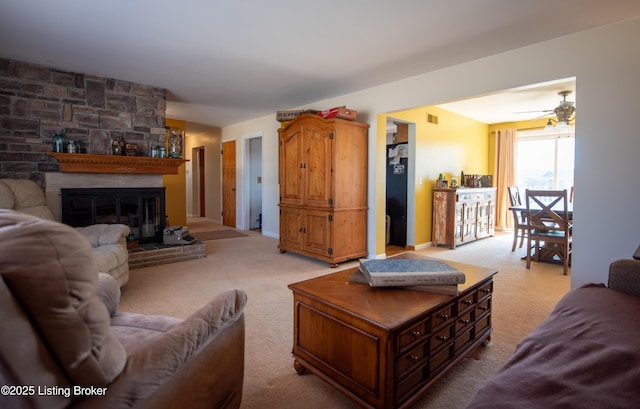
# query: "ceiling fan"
{"type": "Point", "coordinates": [564, 112]}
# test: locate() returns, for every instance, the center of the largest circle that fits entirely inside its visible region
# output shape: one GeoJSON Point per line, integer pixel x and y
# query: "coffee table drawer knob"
{"type": "Point", "coordinates": [413, 358]}
{"type": "Point", "coordinates": [415, 334]}
{"type": "Point", "coordinates": [442, 338]}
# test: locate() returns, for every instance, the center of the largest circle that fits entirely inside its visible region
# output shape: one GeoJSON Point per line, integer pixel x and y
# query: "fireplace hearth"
{"type": "Point", "coordinates": [142, 209]}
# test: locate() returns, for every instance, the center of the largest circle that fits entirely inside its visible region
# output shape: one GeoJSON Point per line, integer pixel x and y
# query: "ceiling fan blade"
{"type": "Point", "coordinates": [530, 112]}
{"type": "Point", "coordinates": [541, 116]}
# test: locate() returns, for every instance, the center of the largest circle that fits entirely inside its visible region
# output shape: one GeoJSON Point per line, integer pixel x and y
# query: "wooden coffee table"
{"type": "Point", "coordinates": [383, 347]}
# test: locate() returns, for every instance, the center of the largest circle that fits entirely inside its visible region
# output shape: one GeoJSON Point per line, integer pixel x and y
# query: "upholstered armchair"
{"type": "Point", "coordinates": [108, 240]}
{"type": "Point", "coordinates": [63, 343]}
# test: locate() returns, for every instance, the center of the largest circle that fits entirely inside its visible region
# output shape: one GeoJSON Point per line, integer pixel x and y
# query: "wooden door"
{"type": "Point", "coordinates": [316, 233]}
{"type": "Point", "coordinates": [317, 166]}
{"type": "Point", "coordinates": [291, 227]}
{"type": "Point", "coordinates": [291, 165]}
{"type": "Point", "coordinates": [229, 183]}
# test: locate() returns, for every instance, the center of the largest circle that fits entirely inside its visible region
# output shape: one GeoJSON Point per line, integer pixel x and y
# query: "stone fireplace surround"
{"type": "Point", "coordinates": [55, 181]}
{"type": "Point", "coordinates": [144, 256]}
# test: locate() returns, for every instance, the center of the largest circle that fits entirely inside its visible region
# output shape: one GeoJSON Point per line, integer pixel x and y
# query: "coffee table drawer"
{"type": "Point", "coordinates": [483, 307]}
{"type": "Point", "coordinates": [485, 290]}
{"type": "Point", "coordinates": [411, 335]}
{"type": "Point", "coordinates": [440, 338]}
{"type": "Point", "coordinates": [441, 317]}
{"type": "Point", "coordinates": [463, 340]}
{"type": "Point", "coordinates": [464, 321]}
{"type": "Point", "coordinates": [439, 360]}
{"type": "Point", "coordinates": [466, 301]}
{"type": "Point", "coordinates": [482, 324]}
{"type": "Point", "coordinates": [411, 360]}
{"type": "Point", "coordinates": [407, 385]}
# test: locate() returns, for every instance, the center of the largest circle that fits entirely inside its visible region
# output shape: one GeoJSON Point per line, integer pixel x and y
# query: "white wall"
{"type": "Point", "coordinates": [208, 138]}
{"type": "Point", "coordinates": [605, 62]}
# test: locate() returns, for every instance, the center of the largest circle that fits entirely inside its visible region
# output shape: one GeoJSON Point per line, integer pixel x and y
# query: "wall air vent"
{"type": "Point", "coordinates": [432, 119]}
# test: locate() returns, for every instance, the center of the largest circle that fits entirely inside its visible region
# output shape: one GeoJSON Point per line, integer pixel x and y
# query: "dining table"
{"type": "Point", "coordinates": [544, 255]}
{"type": "Point", "coordinates": [523, 209]}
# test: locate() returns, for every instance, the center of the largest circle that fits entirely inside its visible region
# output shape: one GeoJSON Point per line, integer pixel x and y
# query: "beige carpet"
{"type": "Point", "coordinates": [522, 299]}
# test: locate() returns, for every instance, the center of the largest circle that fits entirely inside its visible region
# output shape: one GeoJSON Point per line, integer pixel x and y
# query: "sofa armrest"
{"type": "Point", "coordinates": [624, 275]}
{"type": "Point", "coordinates": [103, 234]}
{"type": "Point", "coordinates": [109, 292]}
{"type": "Point", "coordinates": [196, 363]}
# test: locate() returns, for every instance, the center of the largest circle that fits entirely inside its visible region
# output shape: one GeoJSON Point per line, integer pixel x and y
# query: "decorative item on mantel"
{"type": "Point", "coordinates": [131, 149]}
{"type": "Point", "coordinates": [117, 146]}
{"type": "Point", "coordinates": [175, 143]}
{"type": "Point", "coordinates": [58, 143]}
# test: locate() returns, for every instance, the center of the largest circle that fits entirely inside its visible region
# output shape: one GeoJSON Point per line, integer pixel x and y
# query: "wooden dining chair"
{"type": "Point", "coordinates": [520, 226]}
{"type": "Point", "coordinates": [548, 222]}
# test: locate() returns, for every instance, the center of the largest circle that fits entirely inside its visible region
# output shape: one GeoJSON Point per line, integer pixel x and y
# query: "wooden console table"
{"type": "Point", "coordinates": [383, 347]}
{"type": "Point", "coordinates": [462, 215]}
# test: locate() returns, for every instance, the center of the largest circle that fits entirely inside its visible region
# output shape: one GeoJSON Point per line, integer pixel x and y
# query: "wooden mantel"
{"type": "Point", "coordinates": [86, 163]}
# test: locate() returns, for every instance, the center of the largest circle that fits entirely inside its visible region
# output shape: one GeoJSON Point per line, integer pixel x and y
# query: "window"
{"type": "Point", "coordinates": [545, 161]}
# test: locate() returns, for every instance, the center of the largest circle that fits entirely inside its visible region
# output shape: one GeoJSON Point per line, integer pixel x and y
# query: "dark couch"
{"type": "Point", "coordinates": [586, 354]}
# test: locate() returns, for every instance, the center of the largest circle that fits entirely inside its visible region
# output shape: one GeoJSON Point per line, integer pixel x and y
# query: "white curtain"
{"type": "Point", "coordinates": [505, 174]}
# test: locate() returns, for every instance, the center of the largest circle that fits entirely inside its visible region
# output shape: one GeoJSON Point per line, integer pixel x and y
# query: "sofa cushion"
{"type": "Point", "coordinates": [25, 196]}
{"type": "Point", "coordinates": [6, 196]}
{"type": "Point", "coordinates": [104, 234]}
{"type": "Point", "coordinates": [54, 278]}
{"type": "Point", "coordinates": [583, 355]}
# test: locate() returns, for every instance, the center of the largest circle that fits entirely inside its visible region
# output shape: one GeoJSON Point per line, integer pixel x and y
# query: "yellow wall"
{"type": "Point", "coordinates": [454, 145]}
{"type": "Point", "coordinates": [176, 188]}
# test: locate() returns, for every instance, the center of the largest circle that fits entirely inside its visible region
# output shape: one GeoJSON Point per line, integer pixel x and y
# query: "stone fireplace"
{"type": "Point", "coordinates": [142, 209]}
{"type": "Point", "coordinates": [77, 182]}
{"type": "Point", "coordinates": [145, 255]}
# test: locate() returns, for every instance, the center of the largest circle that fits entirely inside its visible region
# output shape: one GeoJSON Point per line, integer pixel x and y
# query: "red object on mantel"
{"type": "Point", "coordinates": [339, 112]}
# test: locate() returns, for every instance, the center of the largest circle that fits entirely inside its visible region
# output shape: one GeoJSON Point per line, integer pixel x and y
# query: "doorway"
{"type": "Point", "coordinates": [253, 181]}
{"type": "Point", "coordinates": [198, 181]}
{"type": "Point", "coordinates": [400, 188]}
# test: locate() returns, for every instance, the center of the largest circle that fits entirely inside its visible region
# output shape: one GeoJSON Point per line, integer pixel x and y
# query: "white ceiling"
{"type": "Point", "coordinates": [525, 103]}
{"type": "Point", "coordinates": [226, 61]}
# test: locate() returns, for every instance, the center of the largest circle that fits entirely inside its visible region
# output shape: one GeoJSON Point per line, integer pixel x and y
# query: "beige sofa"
{"type": "Point", "coordinates": [63, 344]}
{"type": "Point", "coordinates": [108, 240]}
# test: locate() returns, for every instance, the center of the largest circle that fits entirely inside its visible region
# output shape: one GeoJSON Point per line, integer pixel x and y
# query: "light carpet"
{"type": "Point", "coordinates": [522, 299]}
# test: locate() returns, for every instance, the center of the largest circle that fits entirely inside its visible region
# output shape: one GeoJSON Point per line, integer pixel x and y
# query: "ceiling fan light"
{"type": "Point", "coordinates": [549, 126]}
{"type": "Point", "coordinates": [563, 127]}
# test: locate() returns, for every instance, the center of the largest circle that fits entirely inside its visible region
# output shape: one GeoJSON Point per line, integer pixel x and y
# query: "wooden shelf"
{"type": "Point", "coordinates": [86, 163]}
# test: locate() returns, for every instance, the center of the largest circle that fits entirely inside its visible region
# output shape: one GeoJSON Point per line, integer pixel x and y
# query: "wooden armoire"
{"type": "Point", "coordinates": [323, 188]}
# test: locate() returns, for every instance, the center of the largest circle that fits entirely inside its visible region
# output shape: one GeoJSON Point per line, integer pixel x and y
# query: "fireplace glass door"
{"type": "Point", "coordinates": [142, 209]}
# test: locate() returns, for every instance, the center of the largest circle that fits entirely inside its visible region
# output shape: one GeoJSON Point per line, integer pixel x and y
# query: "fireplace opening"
{"type": "Point", "coordinates": [142, 209]}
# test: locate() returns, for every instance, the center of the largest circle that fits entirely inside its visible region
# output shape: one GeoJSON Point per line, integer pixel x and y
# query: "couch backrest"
{"type": "Point", "coordinates": [24, 196]}
{"type": "Point", "coordinates": [24, 358]}
{"type": "Point", "coordinates": [50, 270]}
